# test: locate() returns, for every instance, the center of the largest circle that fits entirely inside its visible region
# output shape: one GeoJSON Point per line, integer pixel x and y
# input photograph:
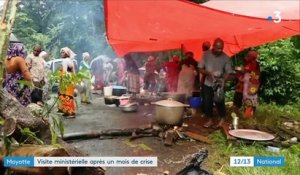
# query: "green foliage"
{"type": "Point", "coordinates": [56, 125]}
{"type": "Point", "coordinates": [1, 121]}
{"type": "Point", "coordinates": [30, 135]}
{"type": "Point", "coordinates": [292, 157]}
{"type": "Point", "coordinates": [280, 65]}
{"type": "Point", "coordinates": [280, 70]}
{"type": "Point", "coordinates": [55, 24]}
{"type": "Point", "coordinates": [67, 80]}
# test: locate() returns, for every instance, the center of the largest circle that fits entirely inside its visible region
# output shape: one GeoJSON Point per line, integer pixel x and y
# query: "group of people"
{"type": "Point", "coordinates": [186, 76]}
{"type": "Point", "coordinates": [33, 69]}
{"type": "Point", "coordinates": [209, 76]}
{"type": "Point", "coordinates": [216, 70]}
{"type": "Point", "coordinates": [247, 84]}
{"type": "Point", "coordinates": [18, 67]}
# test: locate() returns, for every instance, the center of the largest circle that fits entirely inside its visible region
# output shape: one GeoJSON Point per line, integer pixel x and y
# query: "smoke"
{"type": "Point", "coordinates": [55, 24]}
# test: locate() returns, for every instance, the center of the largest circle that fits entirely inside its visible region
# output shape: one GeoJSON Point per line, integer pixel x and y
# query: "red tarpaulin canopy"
{"type": "Point", "coordinates": [156, 25]}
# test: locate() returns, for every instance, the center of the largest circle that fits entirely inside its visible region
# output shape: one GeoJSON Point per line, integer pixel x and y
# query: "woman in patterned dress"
{"type": "Point", "coordinates": [133, 76]}
{"type": "Point", "coordinates": [66, 103]}
{"type": "Point", "coordinates": [16, 70]}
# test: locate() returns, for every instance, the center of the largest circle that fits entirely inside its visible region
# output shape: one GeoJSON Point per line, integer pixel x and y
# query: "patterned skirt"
{"type": "Point", "coordinates": [133, 83]}
{"type": "Point", "coordinates": [66, 101]}
{"type": "Point", "coordinates": [20, 91]}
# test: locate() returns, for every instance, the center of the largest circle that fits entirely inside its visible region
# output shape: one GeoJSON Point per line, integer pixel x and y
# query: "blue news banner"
{"type": "Point", "coordinates": [257, 161]}
{"type": "Point", "coordinates": [80, 161]}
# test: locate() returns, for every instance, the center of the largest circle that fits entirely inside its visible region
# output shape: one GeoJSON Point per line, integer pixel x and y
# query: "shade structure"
{"type": "Point", "coordinates": [157, 25]}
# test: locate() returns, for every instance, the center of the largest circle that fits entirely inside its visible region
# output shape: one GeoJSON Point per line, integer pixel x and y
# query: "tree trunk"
{"type": "Point", "coordinates": [9, 106]}
{"type": "Point", "coordinates": [6, 25]}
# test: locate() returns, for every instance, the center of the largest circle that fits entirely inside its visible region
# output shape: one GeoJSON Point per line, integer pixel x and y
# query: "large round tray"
{"type": "Point", "coordinates": [250, 134]}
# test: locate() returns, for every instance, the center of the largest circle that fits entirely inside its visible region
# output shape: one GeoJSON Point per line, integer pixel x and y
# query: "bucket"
{"type": "Point", "coordinates": [107, 91]}
{"type": "Point", "coordinates": [195, 102]}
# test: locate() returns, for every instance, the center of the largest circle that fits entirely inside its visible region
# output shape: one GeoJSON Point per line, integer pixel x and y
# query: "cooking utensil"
{"type": "Point", "coordinates": [235, 122]}
{"type": "Point", "coordinates": [169, 111]}
{"type": "Point", "coordinates": [108, 91]}
{"type": "Point", "coordinates": [119, 90]}
{"type": "Point", "coordinates": [175, 96]}
{"type": "Point", "coordinates": [124, 99]}
{"type": "Point", "coordinates": [251, 134]}
{"type": "Point", "coordinates": [131, 107]}
{"type": "Point", "coordinates": [111, 100]}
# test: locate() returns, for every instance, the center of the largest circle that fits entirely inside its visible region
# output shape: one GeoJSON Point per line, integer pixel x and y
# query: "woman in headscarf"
{"type": "Point", "coordinates": [251, 83]}
{"type": "Point", "coordinates": [86, 84]}
{"type": "Point", "coordinates": [16, 69]}
{"type": "Point", "coordinates": [133, 76]}
{"type": "Point", "coordinates": [67, 104]}
{"type": "Point", "coordinates": [172, 69]}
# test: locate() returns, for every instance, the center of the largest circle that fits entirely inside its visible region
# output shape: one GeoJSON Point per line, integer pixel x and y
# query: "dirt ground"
{"type": "Point", "coordinates": [98, 116]}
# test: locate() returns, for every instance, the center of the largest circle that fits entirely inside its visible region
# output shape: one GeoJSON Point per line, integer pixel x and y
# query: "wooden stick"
{"type": "Point", "coordinates": [198, 137]}
{"type": "Point", "coordinates": [290, 133]}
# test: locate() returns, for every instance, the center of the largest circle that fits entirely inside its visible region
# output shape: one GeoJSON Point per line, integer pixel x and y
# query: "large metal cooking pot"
{"type": "Point", "coordinates": [169, 112]}
{"type": "Point", "coordinates": [175, 96]}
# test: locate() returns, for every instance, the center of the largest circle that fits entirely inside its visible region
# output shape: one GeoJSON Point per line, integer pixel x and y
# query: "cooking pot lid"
{"type": "Point", "coordinates": [170, 103]}
{"type": "Point", "coordinates": [251, 134]}
{"type": "Point", "coordinates": [172, 93]}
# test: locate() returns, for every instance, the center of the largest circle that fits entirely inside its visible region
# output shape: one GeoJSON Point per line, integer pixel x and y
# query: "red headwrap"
{"type": "Point", "coordinates": [175, 58]}
{"type": "Point", "coordinates": [252, 55]}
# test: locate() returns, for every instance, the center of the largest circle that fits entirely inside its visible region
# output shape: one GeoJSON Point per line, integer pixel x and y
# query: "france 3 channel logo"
{"type": "Point", "coordinates": [276, 18]}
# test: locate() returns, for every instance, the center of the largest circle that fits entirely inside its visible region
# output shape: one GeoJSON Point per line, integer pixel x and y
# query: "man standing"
{"type": "Point", "coordinates": [216, 66]}
{"type": "Point", "coordinates": [36, 68]}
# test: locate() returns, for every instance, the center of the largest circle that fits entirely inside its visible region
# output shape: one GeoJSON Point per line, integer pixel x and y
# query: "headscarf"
{"type": "Point", "coordinates": [15, 49]}
{"type": "Point", "coordinates": [151, 58]}
{"type": "Point", "coordinates": [85, 55]}
{"type": "Point", "coordinates": [176, 58]}
{"type": "Point", "coordinates": [252, 55]}
{"type": "Point", "coordinates": [69, 52]}
{"type": "Point", "coordinates": [251, 61]}
{"type": "Point", "coordinates": [43, 55]}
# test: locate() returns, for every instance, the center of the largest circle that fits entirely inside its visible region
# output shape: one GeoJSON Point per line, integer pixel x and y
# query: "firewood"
{"type": "Point", "coordinates": [290, 133]}
{"type": "Point", "coordinates": [225, 131]}
{"type": "Point", "coordinates": [198, 137]}
{"type": "Point", "coordinates": [109, 132]}
{"type": "Point", "coordinates": [9, 126]}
